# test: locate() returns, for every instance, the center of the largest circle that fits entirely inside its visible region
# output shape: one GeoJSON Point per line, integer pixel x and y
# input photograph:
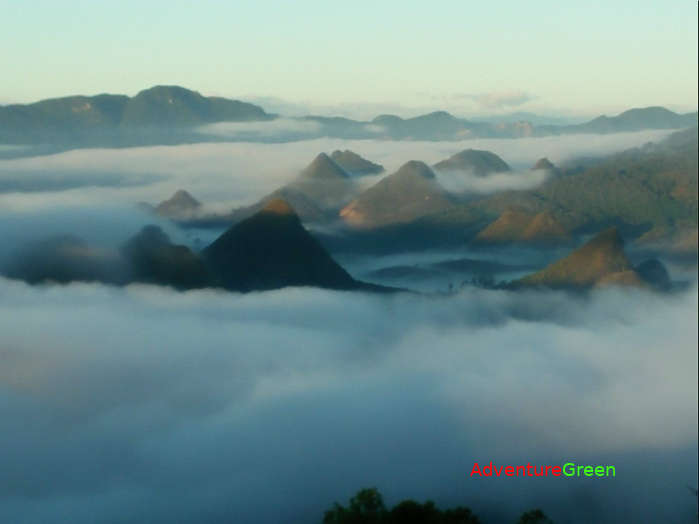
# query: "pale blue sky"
{"type": "Point", "coordinates": [466, 56]}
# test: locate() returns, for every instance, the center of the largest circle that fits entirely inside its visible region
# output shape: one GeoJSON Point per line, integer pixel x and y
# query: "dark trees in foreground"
{"type": "Point", "coordinates": [367, 507]}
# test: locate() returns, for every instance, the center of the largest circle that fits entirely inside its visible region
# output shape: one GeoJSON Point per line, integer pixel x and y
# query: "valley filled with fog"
{"type": "Point", "coordinates": [147, 404]}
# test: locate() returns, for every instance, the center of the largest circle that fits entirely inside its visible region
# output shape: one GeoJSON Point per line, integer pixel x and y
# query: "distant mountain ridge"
{"type": "Point", "coordinates": [108, 116]}
{"type": "Point", "coordinates": [173, 114]}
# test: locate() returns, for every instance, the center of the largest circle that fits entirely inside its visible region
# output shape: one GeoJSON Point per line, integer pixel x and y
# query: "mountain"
{"type": "Point", "coordinates": [480, 163]}
{"type": "Point", "coordinates": [407, 194]}
{"type": "Point", "coordinates": [635, 119]}
{"type": "Point", "coordinates": [518, 226]}
{"type": "Point", "coordinates": [600, 261]}
{"type": "Point", "coordinates": [316, 194]}
{"type": "Point", "coordinates": [544, 164]}
{"type": "Point", "coordinates": [177, 106]}
{"type": "Point", "coordinates": [152, 258]}
{"type": "Point", "coordinates": [64, 258]}
{"type": "Point", "coordinates": [179, 205]}
{"type": "Point", "coordinates": [175, 115]}
{"type": "Point", "coordinates": [271, 250]}
{"type": "Point", "coordinates": [156, 115]}
{"type": "Point", "coordinates": [649, 193]}
{"type": "Point", "coordinates": [354, 164]}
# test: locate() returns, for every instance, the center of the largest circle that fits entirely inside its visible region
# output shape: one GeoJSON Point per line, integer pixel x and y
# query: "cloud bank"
{"type": "Point", "coordinates": [142, 404]}
{"type": "Point", "coordinates": [226, 175]}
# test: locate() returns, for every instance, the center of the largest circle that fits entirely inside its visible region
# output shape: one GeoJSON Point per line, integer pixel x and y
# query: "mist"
{"type": "Point", "coordinates": [457, 181]}
{"type": "Point", "coordinates": [140, 403]}
{"type": "Point", "coordinates": [226, 175]}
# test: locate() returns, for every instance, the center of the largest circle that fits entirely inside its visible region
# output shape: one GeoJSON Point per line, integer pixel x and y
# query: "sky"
{"type": "Point", "coordinates": [467, 57]}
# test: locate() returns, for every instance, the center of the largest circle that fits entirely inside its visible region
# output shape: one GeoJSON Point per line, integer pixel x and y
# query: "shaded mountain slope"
{"type": "Point", "coordinates": [316, 195]}
{"type": "Point", "coordinates": [354, 164]}
{"type": "Point", "coordinates": [271, 250]}
{"type": "Point", "coordinates": [642, 191]}
{"type": "Point", "coordinates": [517, 226]}
{"type": "Point", "coordinates": [600, 262]}
{"type": "Point", "coordinates": [153, 259]}
{"type": "Point", "coordinates": [179, 205]}
{"type": "Point", "coordinates": [63, 259]}
{"type": "Point", "coordinates": [406, 195]}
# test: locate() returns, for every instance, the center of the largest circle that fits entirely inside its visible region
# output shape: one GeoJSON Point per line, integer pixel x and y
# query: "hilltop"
{"type": "Point", "coordinates": [407, 194]}
{"type": "Point", "coordinates": [477, 162]}
{"type": "Point", "coordinates": [354, 164]}
{"type": "Point", "coordinates": [600, 262]}
{"type": "Point", "coordinates": [271, 249]}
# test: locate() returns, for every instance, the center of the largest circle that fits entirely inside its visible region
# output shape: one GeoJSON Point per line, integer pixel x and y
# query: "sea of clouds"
{"type": "Point", "coordinates": [142, 404]}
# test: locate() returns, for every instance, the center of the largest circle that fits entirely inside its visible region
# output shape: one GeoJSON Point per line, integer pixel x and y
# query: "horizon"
{"type": "Point", "coordinates": [295, 60]}
{"type": "Point", "coordinates": [272, 105]}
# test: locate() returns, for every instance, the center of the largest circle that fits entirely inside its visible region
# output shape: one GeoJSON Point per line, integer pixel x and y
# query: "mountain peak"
{"type": "Point", "coordinates": [180, 204]}
{"type": "Point", "coordinates": [279, 206]}
{"type": "Point", "coordinates": [600, 261]}
{"type": "Point", "coordinates": [269, 251]}
{"type": "Point", "coordinates": [167, 90]}
{"type": "Point", "coordinates": [324, 168]}
{"type": "Point", "coordinates": [354, 163]}
{"type": "Point", "coordinates": [544, 164]}
{"type": "Point", "coordinates": [477, 161]}
{"type": "Point", "coordinates": [415, 168]}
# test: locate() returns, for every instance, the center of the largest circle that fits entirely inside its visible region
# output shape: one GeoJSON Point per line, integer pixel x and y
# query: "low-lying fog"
{"type": "Point", "coordinates": [228, 174]}
{"type": "Point", "coordinates": [143, 404]}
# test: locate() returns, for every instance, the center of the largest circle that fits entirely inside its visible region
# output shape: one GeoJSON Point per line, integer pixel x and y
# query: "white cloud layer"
{"type": "Point", "coordinates": [232, 174]}
{"type": "Point", "coordinates": [142, 404]}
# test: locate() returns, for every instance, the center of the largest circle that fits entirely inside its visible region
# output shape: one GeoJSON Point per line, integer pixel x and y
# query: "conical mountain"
{"type": "Point", "coordinates": [323, 168]}
{"type": "Point", "coordinates": [354, 164]}
{"type": "Point", "coordinates": [271, 250]}
{"type": "Point", "coordinates": [316, 194]}
{"type": "Point", "coordinates": [478, 162]}
{"type": "Point", "coordinates": [600, 261]}
{"type": "Point", "coordinates": [519, 226]}
{"type": "Point", "coordinates": [407, 194]}
{"type": "Point", "coordinates": [544, 164]}
{"type": "Point", "coordinates": [179, 205]}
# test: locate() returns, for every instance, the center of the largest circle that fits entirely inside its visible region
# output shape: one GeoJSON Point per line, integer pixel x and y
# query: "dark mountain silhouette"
{"type": "Point", "coordinates": [600, 262]}
{"type": "Point", "coordinates": [271, 250]}
{"type": "Point", "coordinates": [354, 164]}
{"type": "Point", "coordinates": [480, 163]}
{"type": "Point", "coordinates": [407, 194]}
{"type": "Point", "coordinates": [63, 259]}
{"type": "Point", "coordinates": [152, 258]}
{"type": "Point", "coordinates": [654, 273]}
{"type": "Point", "coordinates": [179, 205]}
